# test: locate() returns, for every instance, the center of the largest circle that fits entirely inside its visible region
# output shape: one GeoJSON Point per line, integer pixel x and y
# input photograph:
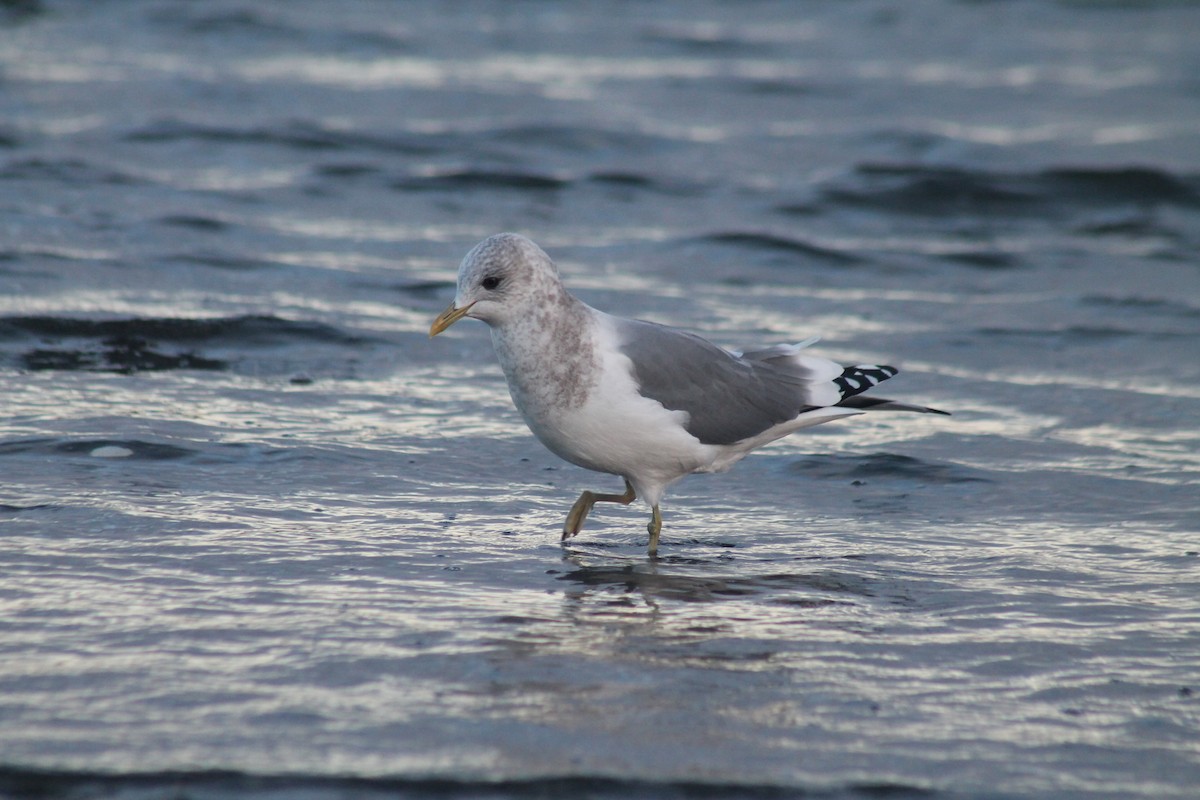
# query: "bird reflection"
{"type": "Point", "coordinates": [696, 580]}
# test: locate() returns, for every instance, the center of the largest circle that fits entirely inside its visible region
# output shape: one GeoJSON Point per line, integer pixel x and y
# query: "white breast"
{"type": "Point", "coordinates": [613, 429]}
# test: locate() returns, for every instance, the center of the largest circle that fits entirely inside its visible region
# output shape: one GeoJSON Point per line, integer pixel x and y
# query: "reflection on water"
{"type": "Point", "coordinates": [254, 519]}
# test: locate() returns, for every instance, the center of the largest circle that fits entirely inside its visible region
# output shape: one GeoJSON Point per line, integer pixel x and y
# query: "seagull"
{"type": "Point", "coordinates": [636, 399]}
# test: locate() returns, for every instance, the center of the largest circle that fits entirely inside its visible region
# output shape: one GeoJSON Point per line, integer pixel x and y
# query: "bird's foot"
{"type": "Point", "coordinates": [654, 528]}
{"type": "Point", "coordinates": [583, 506]}
{"type": "Point", "coordinates": [578, 513]}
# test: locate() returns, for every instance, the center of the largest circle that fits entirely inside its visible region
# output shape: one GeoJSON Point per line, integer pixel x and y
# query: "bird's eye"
{"type": "Point", "coordinates": [490, 282]}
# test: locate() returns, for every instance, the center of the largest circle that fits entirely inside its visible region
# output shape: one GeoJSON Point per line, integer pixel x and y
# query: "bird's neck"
{"type": "Point", "coordinates": [548, 355]}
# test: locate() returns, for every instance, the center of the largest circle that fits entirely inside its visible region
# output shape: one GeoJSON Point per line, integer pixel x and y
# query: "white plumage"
{"type": "Point", "coordinates": [644, 401]}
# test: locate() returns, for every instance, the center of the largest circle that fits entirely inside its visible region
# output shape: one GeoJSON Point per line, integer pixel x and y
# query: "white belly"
{"type": "Point", "coordinates": [622, 433]}
{"type": "Point", "coordinates": [608, 428]}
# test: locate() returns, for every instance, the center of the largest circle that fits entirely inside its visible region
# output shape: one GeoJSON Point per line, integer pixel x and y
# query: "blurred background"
{"type": "Point", "coordinates": [253, 520]}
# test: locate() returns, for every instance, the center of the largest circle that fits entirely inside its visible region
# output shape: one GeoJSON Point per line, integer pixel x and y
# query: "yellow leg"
{"type": "Point", "coordinates": [654, 527]}
{"type": "Point", "coordinates": [583, 506]}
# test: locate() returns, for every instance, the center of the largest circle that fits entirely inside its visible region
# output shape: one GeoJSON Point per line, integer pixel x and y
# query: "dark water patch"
{"type": "Point", "coordinates": [35, 784]}
{"type": "Point", "coordinates": [257, 27]}
{"type": "Point", "coordinates": [1124, 223]}
{"type": "Point", "coordinates": [706, 589]}
{"type": "Point", "coordinates": [567, 138]}
{"type": "Point", "coordinates": [224, 261]}
{"type": "Point", "coordinates": [345, 171]}
{"type": "Point", "coordinates": [35, 253]}
{"type": "Point", "coordinates": [641, 181]}
{"type": "Point", "coordinates": [144, 451]}
{"type": "Point", "coordinates": [195, 222]}
{"type": "Point", "coordinates": [1141, 305]}
{"type": "Point", "coordinates": [1136, 185]}
{"type": "Point", "coordinates": [300, 136]}
{"type": "Point", "coordinates": [769, 87]}
{"type": "Point", "coordinates": [8, 139]}
{"type": "Point", "coordinates": [314, 137]}
{"type": "Point", "coordinates": [925, 190]}
{"type": "Point", "coordinates": [99, 448]}
{"type": "Point", "coordinates": [296, 135]}
{"type": "Point", "coordinates": [73, 171]}
{"type": "Point", "coordinates": [425, 290]}
{"type": "Point", "coordinates": [13, 11]}
{"type": "Point", "coordinates": [122, 355]}
{"type": "Point", "coordinates": [703, 39]}
{"type": "Point", "coordinates": [221, 21]}
{"type": "Point", "coordinates": [803, 602]}
{"type": "Point", "coordinates": [1079, 334]}
{"type": "Point", "coordinates": [9, 508]}
{"type": "Point", "coordinates": [12, 257]}
{"type": "Point", "coordinates": [720, 543]}
{"type": "Point", "coordinates": [778, 245]}
{"type": "Point", "coordinates": [141, 450]}
{"type": "Point", "coordinates": [136, 345]}
{"type": "Point", "coordinates": [481, 180]}
{"type": "Point", "coordinates": [632, 179]}
{"type": "Point", "coordinates": [249, 329]}
{"type": "Point", "coordinates": [883, 465]}
{"type": "Point", "coordinates": [930, 190]}
{"type": "Point", "coordinates": [983, 259]}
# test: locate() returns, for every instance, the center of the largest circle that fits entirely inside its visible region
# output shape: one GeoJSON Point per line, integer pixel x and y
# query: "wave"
{"type": "Point", "coordinates": [295, 135]}
{"type": "Point", "coordinates": [1141, 305]}
{"type": "Point", "coordinates": [982, 259]}
{"type": "Point", "coordinates": [884, 465]}
{"type": "Point", "coordinates": [74, 171]}
{"type": "Point", "coordinates": [196, 222]}
{"type": "Point", "coordinates": [925, 190]}
{"type": "Point", "coordinates": [481, 179]}
{"type": "Point", "coordinates": [201, 21]}
{"type": "Point", "coordinates": [100, 448]}
{"type": "Point", "coordinates": [137, 344]}
{"type": "Point", "coordinates": [484, 179]}
{"type": "Point", "coordinates": [219, 260]}
{"type": "Point", "coordinates": [304, 135]}
{"type": "Point", "coordinates": [816, 588]}
{"type": "Point", "coordinates": [50, 785]}
{"type": "Point", "coordinates": [780, 245]}
{"type": "Point", "coordinates": [1083, 334]}
{"type": "Point", "coordinates": [247, 329]}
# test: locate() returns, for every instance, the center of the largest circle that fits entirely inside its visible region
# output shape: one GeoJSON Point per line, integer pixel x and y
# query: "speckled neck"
{"type": "Point", "coordinates": [548, 355]}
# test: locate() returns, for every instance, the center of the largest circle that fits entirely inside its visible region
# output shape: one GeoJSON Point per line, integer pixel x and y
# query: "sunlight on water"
{"type": "Point", "coordinates": [332, 227]}
{"type": "Point", "coordinates": [1090, 381]}
{"type": "Point", "coordinates": [256, 522]}
{"type": "Point", "coordinates": [1147, 448]}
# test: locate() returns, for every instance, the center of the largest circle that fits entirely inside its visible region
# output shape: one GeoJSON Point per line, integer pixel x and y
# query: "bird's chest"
{"type": "Point", "coordinates": [551, 370]}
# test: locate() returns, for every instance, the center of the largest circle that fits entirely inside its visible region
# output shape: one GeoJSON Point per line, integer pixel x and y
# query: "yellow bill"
{"type": "Point", "coordinates": [447, 318]}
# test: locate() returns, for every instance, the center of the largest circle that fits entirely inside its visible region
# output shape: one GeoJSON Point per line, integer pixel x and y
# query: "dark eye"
{"type": "Point", "coordinates": [490, 282]}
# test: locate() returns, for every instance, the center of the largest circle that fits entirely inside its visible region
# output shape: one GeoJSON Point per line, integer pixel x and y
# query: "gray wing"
{"type": "Point", "coordinates": [727, 398]}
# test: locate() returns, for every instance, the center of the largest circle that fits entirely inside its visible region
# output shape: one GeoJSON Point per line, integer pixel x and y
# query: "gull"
{"type": "Point", "coordinates": [636, 399]}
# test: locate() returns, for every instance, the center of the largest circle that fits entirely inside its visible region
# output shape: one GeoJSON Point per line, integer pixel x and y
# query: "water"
{"type": "Point", "coordinates": [260, 535]}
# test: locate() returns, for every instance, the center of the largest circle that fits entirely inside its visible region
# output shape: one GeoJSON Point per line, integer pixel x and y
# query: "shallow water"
{"type": "Point", "coordinates": [260, 535]}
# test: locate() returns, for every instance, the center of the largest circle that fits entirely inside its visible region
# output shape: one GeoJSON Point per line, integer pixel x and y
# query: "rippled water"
{"type": "Point", "coordinates": [260, 535]}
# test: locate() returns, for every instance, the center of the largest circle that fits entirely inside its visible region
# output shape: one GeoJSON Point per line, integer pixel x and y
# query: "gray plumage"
{"type": "Point", "coordinates": [636, 399]}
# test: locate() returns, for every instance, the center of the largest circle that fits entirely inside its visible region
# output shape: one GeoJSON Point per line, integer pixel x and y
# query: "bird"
{"type": "Point", "coordinates": [636, 399]}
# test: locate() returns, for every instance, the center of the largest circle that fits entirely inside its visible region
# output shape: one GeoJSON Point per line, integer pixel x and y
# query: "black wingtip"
{"type": "Point", "coordinates": [886, 404]}
{"type": "Point", "coordinates": [859, 378]}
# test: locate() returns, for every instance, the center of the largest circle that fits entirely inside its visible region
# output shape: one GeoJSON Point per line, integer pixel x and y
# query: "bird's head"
{"type": "Point", "coordinates": [502, 278]}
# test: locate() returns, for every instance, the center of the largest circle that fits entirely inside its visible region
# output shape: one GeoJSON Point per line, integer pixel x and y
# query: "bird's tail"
{"type": "Point", "coordinates": [883, 404]}
{"type": "Point", "coordinates": [857, 379]}
{"type": "Point", "coordinates": [827, 384]}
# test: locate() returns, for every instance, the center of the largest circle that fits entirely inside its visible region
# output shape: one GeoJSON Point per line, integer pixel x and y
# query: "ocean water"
{"type": "Point", "coordinates": [261, 536]}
